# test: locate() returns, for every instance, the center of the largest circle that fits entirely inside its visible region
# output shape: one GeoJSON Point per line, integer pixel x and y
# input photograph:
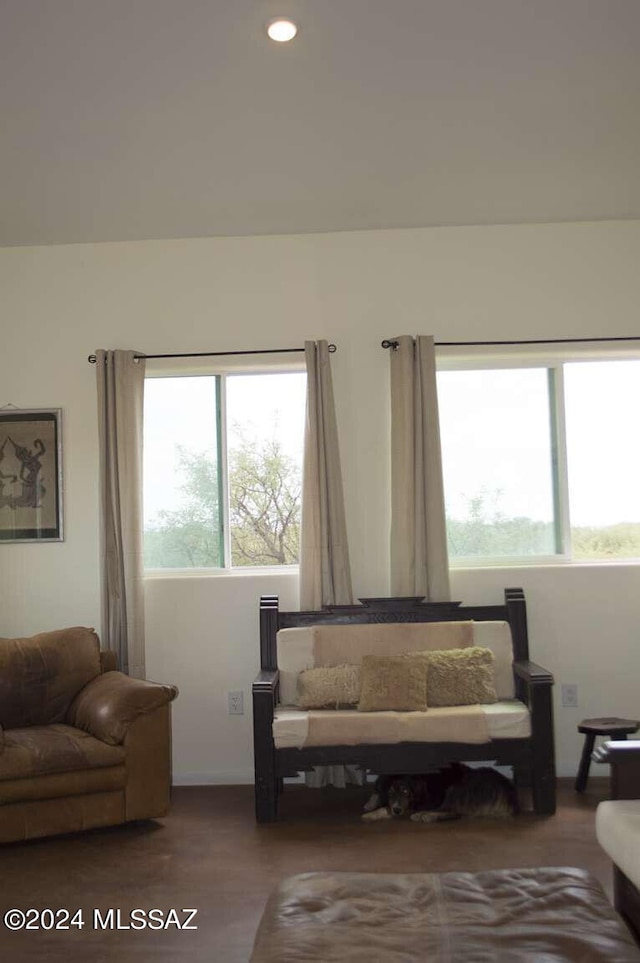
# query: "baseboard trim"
{"type": "Point", "coordinates": [237, 777]}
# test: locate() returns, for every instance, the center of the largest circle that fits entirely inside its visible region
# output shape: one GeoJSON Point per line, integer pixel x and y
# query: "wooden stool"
{"type": "Point", "coordinates": [613, 728]}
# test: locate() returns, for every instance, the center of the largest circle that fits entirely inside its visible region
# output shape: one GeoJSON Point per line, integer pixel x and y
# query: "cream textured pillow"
{"type": "Point", "coordinates": [393, 682]}
{"type": "Point", "coordinates": [329, 687]}
{"type": "Point", "coordinates": [458, 677]}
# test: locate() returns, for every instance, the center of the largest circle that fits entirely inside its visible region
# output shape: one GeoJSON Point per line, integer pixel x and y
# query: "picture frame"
{"type": "Point", "coordinates": [31, 475]}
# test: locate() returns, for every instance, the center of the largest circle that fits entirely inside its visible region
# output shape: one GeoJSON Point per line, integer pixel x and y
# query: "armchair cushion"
{"type": "Point", "coordinates": [40, 750]}
{"type": "Point", "coordinates": [109, 704]}
{"type": "Point", "coordinates": [40, 676]}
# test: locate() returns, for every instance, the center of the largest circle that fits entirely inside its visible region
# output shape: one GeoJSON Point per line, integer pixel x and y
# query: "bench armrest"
{"type": "Point", "coordinates": [624, 758]}
{"type": "Point", "coordinates": [534, 687]}
{"type": "Point", "coordinates": [267, 680]}
{"type": "Point", "coordinates": [265, 694]}
{"type": "Point", "coordinates": [532, 674]}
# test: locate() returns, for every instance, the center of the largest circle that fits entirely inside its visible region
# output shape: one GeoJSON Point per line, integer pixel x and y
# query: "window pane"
{"type": "Point", "coordinates": [265, 425]}
{"type": "Point", "coordinates": [497, 462]}
{"type": "Point", "coordinates": [602, 401]}
{"type": "Point", "coordinates": [182, 505]}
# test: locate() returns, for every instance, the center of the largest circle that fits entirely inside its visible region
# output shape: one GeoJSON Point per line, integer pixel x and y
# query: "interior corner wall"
{"type": "Point", "coordinates": [60, 303]}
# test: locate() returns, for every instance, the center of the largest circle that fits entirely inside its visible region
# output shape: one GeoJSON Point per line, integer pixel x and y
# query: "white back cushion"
{"type": "Point", "coordinates": [314, 645]}
{"type": "Point", "coordinates": [497, 637]}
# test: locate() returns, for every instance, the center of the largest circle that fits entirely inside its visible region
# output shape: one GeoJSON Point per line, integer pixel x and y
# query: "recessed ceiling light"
{"type": "Point", "coordinates": [282, 30]}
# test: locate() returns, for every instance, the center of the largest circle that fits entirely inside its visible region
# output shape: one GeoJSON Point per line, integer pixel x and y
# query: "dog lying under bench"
{"type": "Point", "coordinates": [449, 793]}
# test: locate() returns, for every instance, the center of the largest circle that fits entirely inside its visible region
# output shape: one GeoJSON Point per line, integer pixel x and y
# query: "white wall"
{"type": "Point", "coordinates": [60, 303]}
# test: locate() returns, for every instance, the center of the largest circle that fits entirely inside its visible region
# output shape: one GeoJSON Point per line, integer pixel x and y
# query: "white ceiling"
{"type": "Point", "coordinates": [134, 119]}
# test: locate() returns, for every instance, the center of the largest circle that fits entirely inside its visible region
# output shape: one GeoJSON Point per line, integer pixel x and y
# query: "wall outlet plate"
{"type": "Point", "coordinates": [236, 703]}
{"type": "Point", "coordinates": [569, 696]}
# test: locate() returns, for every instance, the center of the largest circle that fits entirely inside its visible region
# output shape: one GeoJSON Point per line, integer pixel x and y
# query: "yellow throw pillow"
{"type": "Point", "coordinates": [329, 687]}
{"type": "Point", "coordinates": [393, 682]}
{"type": "Point", "coordinates": [458, 677]}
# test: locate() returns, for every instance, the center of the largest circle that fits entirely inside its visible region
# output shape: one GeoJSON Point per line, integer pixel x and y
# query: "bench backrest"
{"type": "Point", "coordinates": [386, 611]}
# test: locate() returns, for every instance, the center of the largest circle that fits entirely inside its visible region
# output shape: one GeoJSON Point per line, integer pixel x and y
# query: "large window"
{"type": "Point", "coordinates": [541, 461]}
{"type": "Point", "coordinates": [603, 458]}
{"type": "Point", "coordinates": [222, 470]}
{"type": "Point", "coordinates": [497, 456]}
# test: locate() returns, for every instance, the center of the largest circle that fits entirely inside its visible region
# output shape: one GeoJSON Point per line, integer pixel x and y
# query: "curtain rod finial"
{"type": "Point", "coordinates": [389, 344]}
{"type": "Point", "coordinates": [92, 359]}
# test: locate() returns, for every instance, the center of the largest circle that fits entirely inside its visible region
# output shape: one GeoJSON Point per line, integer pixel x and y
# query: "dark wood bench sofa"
{"type": "Point", "coordinates": [531, 755]}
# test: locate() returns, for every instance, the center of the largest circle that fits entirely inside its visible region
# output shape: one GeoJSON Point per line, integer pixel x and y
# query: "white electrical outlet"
{"type": "Point", "coordinates": [569, 696]}
{"type": "Point", "coordinates": [236, 703]}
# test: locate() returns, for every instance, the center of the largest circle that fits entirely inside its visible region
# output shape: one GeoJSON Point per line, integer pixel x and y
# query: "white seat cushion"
{"type": "Point", "coordinates": [291, 726]}
{"type": "Point", "coordinates": [618, 832]}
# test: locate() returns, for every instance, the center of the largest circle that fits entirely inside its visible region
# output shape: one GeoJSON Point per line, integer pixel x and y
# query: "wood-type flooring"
{"type": "Point", "coordinates": [211, 856]}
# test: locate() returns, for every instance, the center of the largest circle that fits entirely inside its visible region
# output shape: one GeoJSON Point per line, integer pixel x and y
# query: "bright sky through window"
{"type": "Point", "coordinates": [188, 469]}
{"type": "Point", "coordinates": [602, 404]}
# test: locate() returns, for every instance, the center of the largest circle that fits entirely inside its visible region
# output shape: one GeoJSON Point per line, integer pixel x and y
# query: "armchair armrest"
{"type": "Point", "coordinates": [624, 758]}
{"type": "Point", "coordinates": [108, 705]}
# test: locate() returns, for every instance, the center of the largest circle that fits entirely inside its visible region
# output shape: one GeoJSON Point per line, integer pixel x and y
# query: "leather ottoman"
{"type": "Point", "coordinates": [552, 914]}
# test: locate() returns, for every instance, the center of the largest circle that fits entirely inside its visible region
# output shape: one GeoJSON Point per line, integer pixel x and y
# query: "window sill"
{"type": "Point", "coordinates": [244, 572]}
{"type": "Point", "coordinates": [561, 562]}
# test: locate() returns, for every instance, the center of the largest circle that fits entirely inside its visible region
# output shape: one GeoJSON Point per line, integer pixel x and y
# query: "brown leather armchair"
{"type": "Point", "coordinates": [81, 745]}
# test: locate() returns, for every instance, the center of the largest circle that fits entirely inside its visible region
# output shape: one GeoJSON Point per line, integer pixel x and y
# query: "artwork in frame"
{"type": "Point", "coordinates": [30, 475]}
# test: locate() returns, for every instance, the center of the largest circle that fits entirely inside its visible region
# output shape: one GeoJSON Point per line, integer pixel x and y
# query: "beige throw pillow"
{"type": "Point", "coordinates": [329, 687]}
{"type": "Point", "coordinates": [393, 682]}
{"type": "Point", "coordinates": [458, 677]}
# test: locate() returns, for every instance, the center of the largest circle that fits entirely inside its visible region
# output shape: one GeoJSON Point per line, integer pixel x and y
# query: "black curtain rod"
{"type": "Point", "coordinates": [219, 354]}
{"type": "Point", "coordinates": [467, 344]}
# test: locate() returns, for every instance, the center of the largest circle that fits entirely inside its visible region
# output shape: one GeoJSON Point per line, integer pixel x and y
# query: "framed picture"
{"type": "Point", "coordinates": [30, 475]}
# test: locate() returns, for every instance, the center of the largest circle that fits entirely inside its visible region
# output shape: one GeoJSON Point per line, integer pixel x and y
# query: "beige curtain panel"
{"type": "Point", "coordinates": [120, 422]}
{"type": "Point", "coordinates": [325, 573]}
{"type": "Point", "coordinates": [419, 557]}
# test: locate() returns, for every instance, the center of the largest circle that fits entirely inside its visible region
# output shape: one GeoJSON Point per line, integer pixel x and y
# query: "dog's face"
{"type": "Point", "coordinates": [400, 797]}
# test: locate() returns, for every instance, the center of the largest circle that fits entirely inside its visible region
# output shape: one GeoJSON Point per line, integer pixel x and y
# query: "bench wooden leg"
{"type": "Point", "coordinates": [522, 777]}
{"type": "Point", "coordinates": [266, 798]}
{"type": "Point", "coordinates": [543, 767]}
{"type": "Point", "coordinates": [267, 783]}
{"type": "Point", "coordinates": [543, 792]}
